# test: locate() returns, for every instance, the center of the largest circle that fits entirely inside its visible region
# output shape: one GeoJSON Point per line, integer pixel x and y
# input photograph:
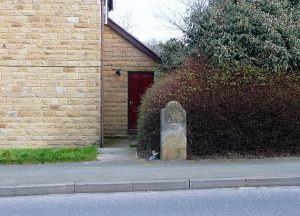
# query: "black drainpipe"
{"type": "Point", "coordinates": [102, 77]}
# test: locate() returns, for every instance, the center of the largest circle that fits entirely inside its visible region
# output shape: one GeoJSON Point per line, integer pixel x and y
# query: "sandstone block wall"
{"type": "Point", "coordinates": [120, 54]}
{"type": "Point", "coordinates": [49, 72]}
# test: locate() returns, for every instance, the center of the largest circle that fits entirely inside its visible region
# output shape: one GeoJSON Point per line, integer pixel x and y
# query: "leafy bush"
{"type": "Point", "coordinates": [260, 33]}
{"type": "Point", "coordinates": [240, 111]}
{"type": "Point", "coordinates": [172, 55]}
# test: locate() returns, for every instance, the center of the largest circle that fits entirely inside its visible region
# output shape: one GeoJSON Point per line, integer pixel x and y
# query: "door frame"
{"type": "Point", "coordinates": [134, 131]}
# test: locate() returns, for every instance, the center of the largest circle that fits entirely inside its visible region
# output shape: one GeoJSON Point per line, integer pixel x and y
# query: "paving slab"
{"type": "Point", "coordinates": [114, 154]}
{"type": "Point", "coordinates": [118, 149]}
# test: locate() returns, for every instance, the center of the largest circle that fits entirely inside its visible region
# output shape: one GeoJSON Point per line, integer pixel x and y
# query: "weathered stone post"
{"type": "Point", "coordinates": [173, 141]}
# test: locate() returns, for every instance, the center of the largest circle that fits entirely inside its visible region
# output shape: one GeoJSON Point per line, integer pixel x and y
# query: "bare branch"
{"type": "Point", "coordinates": [175, 17]}
{"type": "Point", "coordinates": [125, 21]}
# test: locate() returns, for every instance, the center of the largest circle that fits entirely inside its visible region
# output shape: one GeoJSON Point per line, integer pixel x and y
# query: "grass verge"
{"type": "Point", "coordinates": [47, 155]}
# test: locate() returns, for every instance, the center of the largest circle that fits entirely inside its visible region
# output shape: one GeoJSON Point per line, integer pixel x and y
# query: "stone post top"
{"type": "Point", "coordinates": [173, 112]}
{"type": "Point", "coordinates": [173, 104]}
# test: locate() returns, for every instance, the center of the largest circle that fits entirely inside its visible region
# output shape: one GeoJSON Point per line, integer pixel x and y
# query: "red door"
{"type": "Point", "coordinates": [137, 85]}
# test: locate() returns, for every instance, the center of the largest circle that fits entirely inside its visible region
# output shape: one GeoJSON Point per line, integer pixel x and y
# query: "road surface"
{"type": "Point", "coordinates": [283, 201]}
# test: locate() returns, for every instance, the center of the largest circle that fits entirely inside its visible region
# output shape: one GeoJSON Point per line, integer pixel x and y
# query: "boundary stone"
{"type": "Point", "coordinates": [173, 140]}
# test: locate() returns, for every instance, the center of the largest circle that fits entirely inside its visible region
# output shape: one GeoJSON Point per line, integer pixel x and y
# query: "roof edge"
{"type": "Point", "coordinates": [134, 41]}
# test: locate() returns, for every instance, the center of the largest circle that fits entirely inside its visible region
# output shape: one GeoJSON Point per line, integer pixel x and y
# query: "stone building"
{"type": "Point", "coordinates": [129, 70]}
{"type": "Point", "coordinates": [61, 68]}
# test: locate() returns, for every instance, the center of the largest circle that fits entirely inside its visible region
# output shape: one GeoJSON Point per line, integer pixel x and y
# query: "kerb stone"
{"type": "Point", "coordinates": [173, 143]}
{"type": "Point", "coordinates": [7, 191]}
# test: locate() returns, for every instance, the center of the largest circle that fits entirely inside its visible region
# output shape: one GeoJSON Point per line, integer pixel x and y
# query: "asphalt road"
{"type": "Point", "coordinates": [241, 202]}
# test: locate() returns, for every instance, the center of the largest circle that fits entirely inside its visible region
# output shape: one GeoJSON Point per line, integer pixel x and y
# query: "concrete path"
{"type": "Point", "coordinates": [118, 149]}
{"type": "Point", "coordinates": [119, 170]}
{"type": "Point", "coordinates": [139, 170]}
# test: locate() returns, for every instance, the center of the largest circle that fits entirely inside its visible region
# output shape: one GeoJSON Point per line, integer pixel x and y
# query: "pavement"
{"type": "Point", "coordinates": [119, 170]}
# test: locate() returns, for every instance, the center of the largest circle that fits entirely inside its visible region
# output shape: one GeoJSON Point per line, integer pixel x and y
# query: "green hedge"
{"type": "Point", "coordinates": [240, 111]}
